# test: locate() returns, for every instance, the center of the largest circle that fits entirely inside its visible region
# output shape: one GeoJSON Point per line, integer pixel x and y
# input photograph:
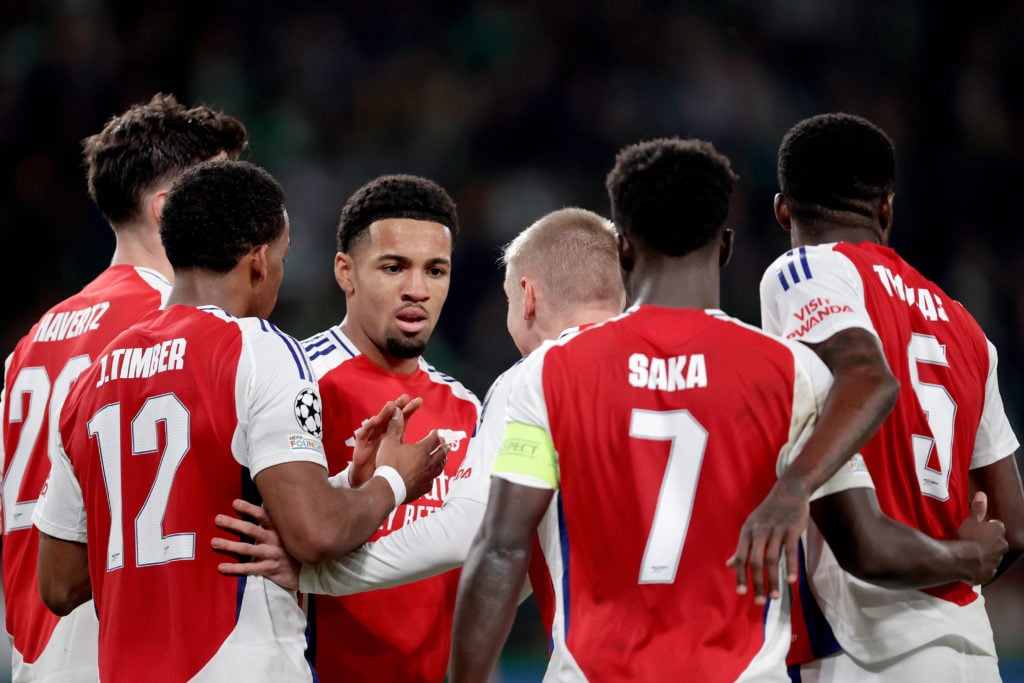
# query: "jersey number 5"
{"type": "Point", "coordinates": [151, 546]}
{"type": "Point", "coordinates": [933, 454]}
{"type": "Point", "coordinates": [678, 487]}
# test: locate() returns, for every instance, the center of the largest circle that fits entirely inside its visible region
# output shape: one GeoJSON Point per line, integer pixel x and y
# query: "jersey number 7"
{"type": "Point", "coordinates": [675, 500]}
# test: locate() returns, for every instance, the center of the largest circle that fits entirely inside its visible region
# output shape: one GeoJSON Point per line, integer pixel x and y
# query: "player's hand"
{"type": "Point", "coordinates": [990, 536]}
{"type": "Point", "coordinates": [776, 524]}
{"type": "Point", "coordinates": [418, 463]}
{"type": "Point", "coordinates": [269, 558]}
{"type": "Point", "coordinates": [369, 435]}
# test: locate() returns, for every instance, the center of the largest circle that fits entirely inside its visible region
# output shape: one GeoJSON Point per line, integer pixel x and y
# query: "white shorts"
{"type": "Point", "coordinates": [948, 660]}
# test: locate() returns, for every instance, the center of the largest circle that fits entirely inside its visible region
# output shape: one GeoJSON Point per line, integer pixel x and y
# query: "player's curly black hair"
{"type": "Point", "coordinates": [216, 211]}
{"type": "Point", "coordinates": [672, 193]}
{"type": "Point", "coordinates": [395, 196]}
{"type": "Point", "coordinates": [838, 161]}
{"type": "Point", "coordinates": [151, 142]}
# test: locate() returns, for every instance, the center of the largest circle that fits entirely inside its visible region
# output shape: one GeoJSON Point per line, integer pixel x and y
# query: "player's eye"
{"type": "Point", "coordinates": [392, 268]}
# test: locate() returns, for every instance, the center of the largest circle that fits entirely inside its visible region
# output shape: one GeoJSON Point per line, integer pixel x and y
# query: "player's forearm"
{"type": "Point", "coordinates": [485, 609]}
{"type": "Point", "coordinates": [862, 395]}
{"type": "Point", "coordinates": [882, 551]}
{"type": "Point", "coordinates": [315, 521]}
{"type": "Point", "coordinates": [63, 574]}
{"type": "Point", "coordinates": [421, 549]}
{"type": "Point", "coordinates": [354, 517]}
{"type": "Point", "coordinates": [1002, 484]}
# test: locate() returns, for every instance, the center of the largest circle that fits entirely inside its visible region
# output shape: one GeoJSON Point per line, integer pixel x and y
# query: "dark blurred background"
{"type": "Point", "coordinates": [518, 108]}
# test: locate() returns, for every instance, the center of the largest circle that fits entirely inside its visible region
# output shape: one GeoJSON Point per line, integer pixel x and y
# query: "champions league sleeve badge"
{"type": "Point", "coordinates": [307, 412]}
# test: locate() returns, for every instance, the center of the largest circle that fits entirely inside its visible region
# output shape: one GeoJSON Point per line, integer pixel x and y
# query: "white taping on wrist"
{"type": "Point", "coordinates": [395, 480]}
{"type": "Point", "coordinates": [341, 480]}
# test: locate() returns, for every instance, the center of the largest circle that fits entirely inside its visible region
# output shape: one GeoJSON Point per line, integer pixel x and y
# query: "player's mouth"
{"type": "Point", "coordinates": [412, 320]}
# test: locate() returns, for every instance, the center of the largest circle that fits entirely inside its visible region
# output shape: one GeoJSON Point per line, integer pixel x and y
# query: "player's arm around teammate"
{"type": "Point", "coordinates": [1001, 481]}
{"type": "Point", "coordinates": [864, 392]}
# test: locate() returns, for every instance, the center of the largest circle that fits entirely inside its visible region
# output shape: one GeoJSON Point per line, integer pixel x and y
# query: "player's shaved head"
{"type": "Point", "coordinates": [571, 253]}
{"type": "Point", "coordinates": [672, 194]}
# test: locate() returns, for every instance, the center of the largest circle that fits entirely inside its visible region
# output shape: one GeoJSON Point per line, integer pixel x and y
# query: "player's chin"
{"type": "Point", "coordinates": [402, 345]}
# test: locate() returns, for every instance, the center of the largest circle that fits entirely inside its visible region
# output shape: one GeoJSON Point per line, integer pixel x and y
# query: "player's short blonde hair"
{"type": "Point", "coordinates": [572, 255]}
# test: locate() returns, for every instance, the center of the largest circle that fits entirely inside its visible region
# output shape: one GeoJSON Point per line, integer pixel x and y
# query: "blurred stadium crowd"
{"type": "Point", "coordinates": [517, 108]}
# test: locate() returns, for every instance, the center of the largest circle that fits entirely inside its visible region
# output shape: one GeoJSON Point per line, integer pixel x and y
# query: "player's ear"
{"type": "Point", "coordinates": [343, 266]}
{"type": "Point", "coordinates": [725, 247]}
{"type": "Point", "coordinates": [529, 298]}
{"type": "Point", "coordinates": [155, 206]}
{"type": "Point", "coordinates": [258, 263]}
{"type": "Point", "coordinates": [782, 214]}
{"type": "Point", "coordinates": [626, 255]}
{"type": "Point", "coordinates": [885, 215]}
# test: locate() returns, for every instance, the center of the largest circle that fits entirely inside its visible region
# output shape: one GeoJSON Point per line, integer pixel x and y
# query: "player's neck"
{"type": "Point", "coordinates": [367, 347]}
{"type": "Point", "coordinates": [806, 235]}
{"type": "Point", "coordinates": [690, 281]}
{"type": "Point", "coordinates": [137, 246]}
{"type": "Point", "coordinates": [202, 288]}
{"type": "Point", "coordinates": [577, 318]}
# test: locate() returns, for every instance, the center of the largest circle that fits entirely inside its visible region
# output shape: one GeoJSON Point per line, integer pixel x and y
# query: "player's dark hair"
{"type": "Point", "coordinates": [839, 162]}
{"type": "Point", "coordinates": [217, 211]}
{"type": "Point", "coordinates": [149, 143]}
{"type": "Point", "coordinates": [395, 196]}
{"type": "Point", "coordinates": [672, 193]}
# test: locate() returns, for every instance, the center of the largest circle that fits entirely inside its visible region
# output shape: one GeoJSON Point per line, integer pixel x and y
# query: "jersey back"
{"type": "Point", "coordinates": [161, 432]}
{"type": "Point", "coordinates": [669, 427]}
{"type": "Point", "coordinates": [921, 457]}
{"type": "Point", "coordinates": [401, 633]}
{"type": "Point", "coordinates": [45, 362]}
{"type": "Point", "coordinates": [947, 420]}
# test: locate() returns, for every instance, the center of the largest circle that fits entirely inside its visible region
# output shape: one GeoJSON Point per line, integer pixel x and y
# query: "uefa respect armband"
{"type": "Point", "coordinates": [528, 449]}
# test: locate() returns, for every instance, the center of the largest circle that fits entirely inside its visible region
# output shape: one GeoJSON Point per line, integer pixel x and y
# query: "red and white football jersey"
{"type": "Point", "coordinates": [401, 633]}
{"type": "Point", "coordinates": [38, 374]}
{"type": "Point", "coordinates": [169, 425]}
{"type": "Point", "coordinates": [669, 427]}
{"type": "Point", "coordinates": [948, 420]}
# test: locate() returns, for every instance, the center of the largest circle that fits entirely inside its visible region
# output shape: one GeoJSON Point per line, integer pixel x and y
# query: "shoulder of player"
{"type": "Point", "coordinates": [803, 263]}
{"type": "Point", "coordinates": [125, 281]}
{"type": "Point", "coordinates": [153, 279]}
{"type": "Point", "coordinates": [757, 335]}
{"type": "Point", "coordinates": [573, 337]}
{"type": "Point", "coordinates": [497, 394]}
{"type": "Point", "coordinates": [453, 385]}
{"type": "Point", "coordinates": [328, 349]}
{"type": "Point", "coordinates": [264, 341]}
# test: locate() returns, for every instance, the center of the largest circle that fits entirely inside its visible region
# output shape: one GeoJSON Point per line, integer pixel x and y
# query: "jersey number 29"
{"type": "Point", "coordinates": [43, 398]}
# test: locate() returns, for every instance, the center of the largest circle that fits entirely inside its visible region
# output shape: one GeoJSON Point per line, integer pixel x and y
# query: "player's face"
{"type": "Point", "coordinates": [276, 252]}
{"type": "Point", "coordinates": [396, 279]}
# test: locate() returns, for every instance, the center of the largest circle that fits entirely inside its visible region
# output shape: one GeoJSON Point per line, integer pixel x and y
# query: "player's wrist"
{"type": "Point", "coordinates": [394, 480]}
{"type": "Point", "coordinates": [343, 479]}
{"type": "Point", "coordinates": [969, 557]}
